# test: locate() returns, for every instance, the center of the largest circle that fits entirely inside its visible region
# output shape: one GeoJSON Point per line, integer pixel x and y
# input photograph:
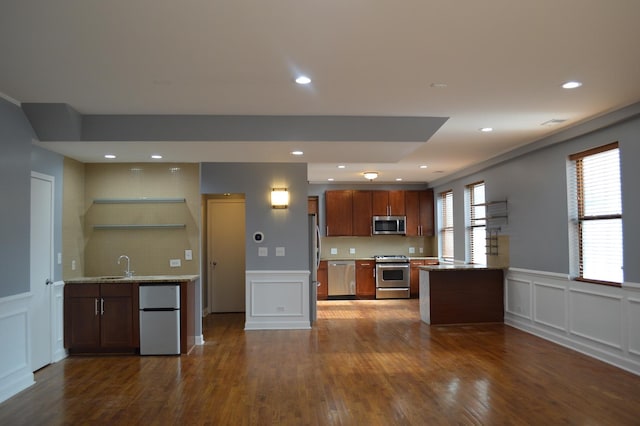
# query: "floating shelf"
{"type": "Point", "coordinates": [148, 226]}
{"type": "Point", "coordinates": [143, 200]}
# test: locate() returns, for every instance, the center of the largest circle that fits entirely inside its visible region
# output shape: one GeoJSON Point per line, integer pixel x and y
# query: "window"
{"type": "Point", "coordinates": [446, 225]}
{"type": "Point", "coordinates": [596, 214]}
{"type": "Point", "coordinates": [477, 224]}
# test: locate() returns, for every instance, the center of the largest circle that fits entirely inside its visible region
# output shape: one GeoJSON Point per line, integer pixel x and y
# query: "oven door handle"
{"type": "Point", "coordinates": [392, 265]}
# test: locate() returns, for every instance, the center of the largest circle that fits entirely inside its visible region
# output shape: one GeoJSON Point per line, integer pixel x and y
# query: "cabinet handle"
{"type": "Point", "coordinates": [327, 230]}
{"type": "Point", "coordinates": [101, 306]}
{"type": "Point", "coordinates": [96, 306]}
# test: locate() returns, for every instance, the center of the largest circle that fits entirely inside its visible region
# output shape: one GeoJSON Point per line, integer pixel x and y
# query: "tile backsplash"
{"type": "Point", "coordinates": [150, 249]}
{"type": "Point", "coordinates": [377, 245]}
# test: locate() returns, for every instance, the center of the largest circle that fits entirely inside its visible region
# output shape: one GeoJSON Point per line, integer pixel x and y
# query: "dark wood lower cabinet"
{"type": "Point", "coordinates": [414, 275]}
{"type": "Point", "coordinates": [101, 318]}
{"type": "Point", "coordinates": [365, 279]}
{"type": "Point", "coordinates": [323, 278]}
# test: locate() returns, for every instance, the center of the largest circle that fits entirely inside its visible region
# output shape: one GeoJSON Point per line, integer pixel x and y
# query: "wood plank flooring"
{"type": "Point", "coordinates": [364, 363]}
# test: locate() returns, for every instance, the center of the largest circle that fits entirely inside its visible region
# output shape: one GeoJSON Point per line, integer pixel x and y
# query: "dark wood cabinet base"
{"type": "Point", "coordinates": [462, 296]}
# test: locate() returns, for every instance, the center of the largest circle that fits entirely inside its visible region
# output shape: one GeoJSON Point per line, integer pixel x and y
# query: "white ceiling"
{"type": "Point", "coordinates": [502, 61]}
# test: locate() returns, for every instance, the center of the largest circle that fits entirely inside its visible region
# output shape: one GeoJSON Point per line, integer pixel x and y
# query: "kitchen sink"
{"type": "Point", "coordinates": [112, 277]}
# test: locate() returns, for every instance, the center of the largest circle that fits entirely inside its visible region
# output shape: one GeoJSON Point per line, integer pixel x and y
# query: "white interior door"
{"type": "Point", "coordinates": [41, 261]}
{"type": "Point", "coordinates": [226, 255]}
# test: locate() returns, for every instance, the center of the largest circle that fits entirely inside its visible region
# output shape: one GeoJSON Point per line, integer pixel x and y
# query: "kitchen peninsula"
{"type": "Point", "coordinates": [460, 293]}
{"type": "Point", "coordinates": [101, 314]}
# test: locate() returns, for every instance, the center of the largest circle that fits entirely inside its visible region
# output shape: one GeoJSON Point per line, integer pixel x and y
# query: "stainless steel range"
{"type": "Point", "coordinates": [392, 277]}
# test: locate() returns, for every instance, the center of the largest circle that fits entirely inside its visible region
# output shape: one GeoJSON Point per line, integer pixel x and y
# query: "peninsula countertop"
{"type": "Point", "coordinates": [459, 267]}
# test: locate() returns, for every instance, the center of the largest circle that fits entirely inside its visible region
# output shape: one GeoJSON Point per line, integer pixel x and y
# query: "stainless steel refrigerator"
{"type": "Point", "coordinates": [314, 263]}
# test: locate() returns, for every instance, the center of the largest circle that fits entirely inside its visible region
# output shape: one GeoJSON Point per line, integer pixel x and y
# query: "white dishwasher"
{"type": "Point", "coordinates": [159, 318]}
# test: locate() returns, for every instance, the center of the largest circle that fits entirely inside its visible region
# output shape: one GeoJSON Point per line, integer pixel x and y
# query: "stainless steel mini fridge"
{"type": "Point", "coordinates": [159, 319]}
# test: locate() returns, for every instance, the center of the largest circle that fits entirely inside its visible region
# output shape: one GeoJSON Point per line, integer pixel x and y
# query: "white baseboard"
{"type": "Point", "coordinates": [200, 340]}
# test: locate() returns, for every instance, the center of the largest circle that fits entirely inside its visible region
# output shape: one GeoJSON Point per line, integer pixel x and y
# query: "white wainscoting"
{"type": "Point", "coordinates": [599, 321]}
{"type": "Point", "coordinates": [58, 351]}
{"type": "Point", "coordinates": [15, 356]}
{"type": "Point", "coordinates": [277, 300]}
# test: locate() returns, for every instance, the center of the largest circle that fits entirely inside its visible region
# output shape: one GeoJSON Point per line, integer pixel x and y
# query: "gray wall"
{"type": "Point", "coordinates": [535, 186]}
{"type": "Point", "coordinates": [15, 188]}
{"type": "Point", "coordinates": [52, 164]}
{"type": "Point", "coordinates": [282, 228]}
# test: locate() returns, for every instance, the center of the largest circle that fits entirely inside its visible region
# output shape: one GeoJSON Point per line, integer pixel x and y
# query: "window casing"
{"type": "Point", "coordinates": [446, 225]}
{"type": "Point", "coordinates": [477, 224]}
{"type": "Point", "coordinates": [595, 213]}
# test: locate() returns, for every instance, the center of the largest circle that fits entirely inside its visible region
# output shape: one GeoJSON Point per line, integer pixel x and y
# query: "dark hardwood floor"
{"type": "Point", "coordinates": [364, 363]}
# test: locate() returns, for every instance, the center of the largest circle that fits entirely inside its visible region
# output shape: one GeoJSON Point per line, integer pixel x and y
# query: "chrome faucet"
{"type": "Point", "coordinates": [128, 272]}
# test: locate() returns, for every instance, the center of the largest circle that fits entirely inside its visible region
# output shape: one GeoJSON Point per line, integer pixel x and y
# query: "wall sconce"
{"type": "Point", "coordinates": [279, 198]}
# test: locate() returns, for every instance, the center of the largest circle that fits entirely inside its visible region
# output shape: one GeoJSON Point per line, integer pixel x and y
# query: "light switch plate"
{"type": "Point", "coordinates": [412, 250]}
{"type": "Point", "coordinates": [421, 249]}
{"type": "Point", "coordinates": [352, 251]}
{"type": "Point", "coordinates": [279, 251]}
{"type": "Point", "coordinates": [188, 255]}
{"type": "Point", "coordinates": [174, 263]}
{"type": "Point", "coordinates": [334, 250]}
{"type": "Point", "coordinates": [263, 251]}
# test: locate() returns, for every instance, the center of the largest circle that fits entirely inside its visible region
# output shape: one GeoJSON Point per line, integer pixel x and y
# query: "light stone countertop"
{"type": "Point", "coordinates": [134, 279]}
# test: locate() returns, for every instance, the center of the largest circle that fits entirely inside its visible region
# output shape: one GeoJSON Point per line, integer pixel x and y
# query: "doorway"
{"type": "Point", "coordinates": [226, 253]}
{"type": "Point", "coordinates": [41, 261]}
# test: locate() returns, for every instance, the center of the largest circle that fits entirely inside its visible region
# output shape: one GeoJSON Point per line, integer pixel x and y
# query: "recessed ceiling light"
{"type": "Point", "coordinates": [156, 156]}
{"type": "Point", "coordinates": [331, 179]}
{"type": "Point", "coordinates": [423, 166]}
{"type": "Point", "coordinates": [487, 129]}
{"type": "Point", "coordinates": [439, 85]}
{"type": "Point", "coordinates": [303, 79]}
{"type": "Point", "coordinates": [342, 166]}
{"type": "Point", "coordinates": [398, 179]}
{"type": "Point", "coordinates": [109, 156]}
{"type": "Point", "coordinates": [297, 152]}
{"type": "Point", "coordinates": [571, 85]}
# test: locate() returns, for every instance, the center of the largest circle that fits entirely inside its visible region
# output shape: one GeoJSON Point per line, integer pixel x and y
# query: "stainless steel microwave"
{"type": "Point", "coordinates": [389, 225]}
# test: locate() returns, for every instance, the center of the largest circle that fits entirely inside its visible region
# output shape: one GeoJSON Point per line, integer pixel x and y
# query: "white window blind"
{"type": "Point", "coordinates": [598, 225]}
{"type": "Point", "coordinates": [446, 229]}
{"type": "Point", "coordinates": [477, 231]}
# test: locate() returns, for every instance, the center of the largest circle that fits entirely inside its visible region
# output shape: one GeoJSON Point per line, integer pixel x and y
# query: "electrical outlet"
{"type": "Point", "coordinates": [174, 263]}
{"type": "Point", "coordinates": [279, 251]}
{"type": "Point", "coordinates": [421, 250]}
{"type": "Point", "coordinates": [263, 251]}
{"type": "Point", "coordinates": [352, 251]}
{"type": "Point", "coordinates": [73, 265]}
{"type": "Point", "coordinates": [188, 255]}
{"type": "Point", "coordinates": [334, 250]}
{"type": "Point", "coordinates": [412, 250]}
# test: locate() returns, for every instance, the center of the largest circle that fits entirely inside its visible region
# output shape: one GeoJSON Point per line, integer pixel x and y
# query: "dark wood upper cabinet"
{"type": "Point", "coordinates": [419, 212]}
{"type": "Point", "coordinates": [388, 203]}
{"type": "Point", "coordinates": [339, 213]}
{"type": "Point", "coordinates": [362, 213]}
